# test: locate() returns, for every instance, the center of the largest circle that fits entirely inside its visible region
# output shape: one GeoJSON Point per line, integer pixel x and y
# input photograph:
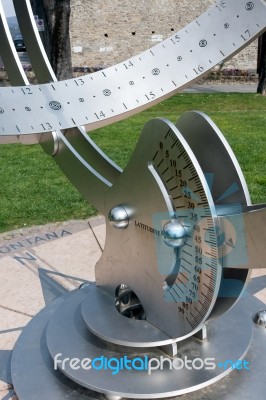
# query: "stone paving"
{"type": "Point", "coordinates": [36, 266]}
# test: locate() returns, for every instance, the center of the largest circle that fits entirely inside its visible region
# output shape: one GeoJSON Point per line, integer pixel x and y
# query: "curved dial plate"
{"type": "Point", "coordinates": [162, 182]}
{"type": "Point", "coordinates": [126, 88]}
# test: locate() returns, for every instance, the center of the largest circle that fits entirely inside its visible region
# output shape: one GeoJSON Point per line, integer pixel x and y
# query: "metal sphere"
{"type": "Point", "coordinates": [260, 319]}
{"type": "Point", "coordinates": [174, 234]}
{"type": "Point", "coordinates": [118, 217]}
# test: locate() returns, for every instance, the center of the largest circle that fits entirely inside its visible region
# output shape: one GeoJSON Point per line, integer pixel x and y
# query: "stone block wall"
{"type": "Point", "coordinates": [107, 32]}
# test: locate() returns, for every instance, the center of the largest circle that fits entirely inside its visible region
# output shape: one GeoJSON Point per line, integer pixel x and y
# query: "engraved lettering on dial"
{"type": "Point", "coordinates": [249, 6]}
{"type": "Point", "coordinates": [155, 71]}
{"type": "Point", "coordinates": [107, 92]}
{"type": "Point", "coordinates": [203, 43]}
{"type": "Point", "coordinates": [194, 285]}
{"type": "Point", "coordinates": [55, 105]}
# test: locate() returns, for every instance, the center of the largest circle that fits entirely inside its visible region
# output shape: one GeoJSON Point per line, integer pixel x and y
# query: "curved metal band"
{"type": "Point", "coordinates": [107, 96]}
{"type": "Point", "coordinates": [44, 73]}
{"type": "Point", "coordinates": [74, 143]}
{"type": "Point", "coordinates": [77, 137]}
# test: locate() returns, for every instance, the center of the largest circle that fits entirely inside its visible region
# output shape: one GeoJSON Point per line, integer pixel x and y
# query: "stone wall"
{"type": "Point", "coordinates": [107, 32]}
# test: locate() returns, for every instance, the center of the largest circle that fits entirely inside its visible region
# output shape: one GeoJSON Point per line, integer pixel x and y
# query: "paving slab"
{"type": "Point", "coordinates": [37, 265]}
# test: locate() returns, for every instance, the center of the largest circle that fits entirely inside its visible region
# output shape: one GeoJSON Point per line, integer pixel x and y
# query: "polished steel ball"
{"type": "Point", "coordinates": [174, 234]}
{"type": "Point", "coordinates": [118, 217]}
{"type": "Point", "coordinates": [260, 318]}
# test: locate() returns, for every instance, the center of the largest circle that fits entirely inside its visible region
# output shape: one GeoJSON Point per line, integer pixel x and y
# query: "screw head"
{"type": "Point", "coordinates": [118, 217]}
{"type": "Point", "coordinates": [84, 285]}
{"type": "Point", "coordinates": [260, 319]}
{"type": "Point", "coordinates": [174, 234]}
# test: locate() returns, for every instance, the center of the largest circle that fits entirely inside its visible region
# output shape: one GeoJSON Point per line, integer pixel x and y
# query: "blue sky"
{"type": "Point", "coordinates": [8, 7]}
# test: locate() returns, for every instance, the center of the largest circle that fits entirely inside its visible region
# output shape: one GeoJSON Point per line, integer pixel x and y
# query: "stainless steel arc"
{"type": "Point", "coordinates": [82, 162]}
{"type": "Point", "coordinates": [106, 96]}
{"type": "Point", "coordinates": [77, 137]}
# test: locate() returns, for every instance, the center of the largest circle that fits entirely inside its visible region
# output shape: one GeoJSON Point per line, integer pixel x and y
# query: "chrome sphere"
{"type": "Point", "coordinates": [174, 234]}
{"type": "Point", "coordinates": [260, 318]}
{"type": "Point", "coordinates": [118, 217]}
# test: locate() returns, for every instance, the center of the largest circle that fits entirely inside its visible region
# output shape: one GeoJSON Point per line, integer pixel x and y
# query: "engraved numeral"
{"type": "Point", "coordinates": [198, 70]}
{"type": "Point", "coordinates": [247, 35]}
{"type": "Point", "coordinates": [46, 126]}
{"type": "Point", "coordinates": [129, 64]}
{"type": "Point", "coordinates": [100, 115]}
{"type": "Point", "coordinates": [176, 39]}
{"type": "Point", "coordinates": [150, 96]}
{"type": "Point", "coordinates": [79, 82]}
{"type": "Point", "coordinates": [222, 5]}
{"type": "Point", "coordinates": [26, 90]}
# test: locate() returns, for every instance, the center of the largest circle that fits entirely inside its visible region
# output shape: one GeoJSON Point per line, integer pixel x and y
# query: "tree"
{"type": "Point", "coordinates": [56, 37]}
{"type": "Point", "coordinates": [262, 64]}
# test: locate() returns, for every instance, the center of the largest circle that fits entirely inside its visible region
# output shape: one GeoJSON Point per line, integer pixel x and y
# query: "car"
{"type": "Point", "coordinates": [19, 43]}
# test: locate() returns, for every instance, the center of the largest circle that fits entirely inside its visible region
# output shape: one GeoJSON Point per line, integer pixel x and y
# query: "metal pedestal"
{"type": "Point", "coordinates": [60, 328]}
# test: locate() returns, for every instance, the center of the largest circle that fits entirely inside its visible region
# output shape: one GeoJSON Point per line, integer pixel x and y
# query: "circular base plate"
{"type": "Point", "coordinates": [33, 371]}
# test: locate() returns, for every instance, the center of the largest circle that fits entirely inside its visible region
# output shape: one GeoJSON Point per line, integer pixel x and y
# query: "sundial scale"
{"type": "Point", "coordinates": [227, 189]}
{"type": "Point", "coordinates": [77, 137]}
{"type": "Point", "coordinates": [182, 235]}
{"type": "Point", "coordinates": [140, 82]}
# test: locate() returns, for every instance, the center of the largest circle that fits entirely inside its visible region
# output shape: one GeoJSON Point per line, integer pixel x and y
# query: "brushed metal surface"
{"type": "Point", "coordinates": [107, 96]}
{"type": "Point", "coordinates": [77, 137]}
{"type": "Point", "coordinates": [32, 365]}
{"type": "Point", "coordinates": [227, 186]}
{"type": "Point", "coordinates": [253, 235]}
{"type": "Point", "coordinates": [223, 344]}
{"type": "Point", "coordinates": [99, 312]}
{"type": "Point", "coordinates": [176, 287]}
{"type": "Point", "coordinates": [32, 370]}
{"type": "Point", "coordinates": [137, 256]}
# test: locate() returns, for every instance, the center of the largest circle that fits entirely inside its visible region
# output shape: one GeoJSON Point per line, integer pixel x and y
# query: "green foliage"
{"type": "Point", "coordinates": [34, 191]}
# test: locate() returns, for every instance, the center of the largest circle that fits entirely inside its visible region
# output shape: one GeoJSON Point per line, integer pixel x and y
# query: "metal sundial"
{"type": "Point", "coordinates": [182, 234]}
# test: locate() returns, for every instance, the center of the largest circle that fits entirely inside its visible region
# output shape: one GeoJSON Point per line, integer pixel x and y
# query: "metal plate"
{"type": "Point", "coordinates": [213, 153]}
{"type": "Point", "coordinates": [67, 334]}
{"type": "Point", "coordinates": [98, 312]}
{"type": "Point", "coordinates": [126, 88]}
{"type": "Point", "coordinates": [176, 287]}
{"type": "Point", "coordinates": [32, 367]}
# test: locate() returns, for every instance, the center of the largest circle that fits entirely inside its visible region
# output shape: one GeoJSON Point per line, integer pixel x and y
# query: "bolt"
{"type": "Point", "coordinates": [260, 319]}
{"type": "Point", "coordinates": [174, 234]}
{"type": "Point", "coordinates": [118, 217]}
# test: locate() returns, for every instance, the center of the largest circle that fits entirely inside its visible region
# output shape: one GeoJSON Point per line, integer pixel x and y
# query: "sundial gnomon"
{"type": "Point", "coordinates": [175, 245]}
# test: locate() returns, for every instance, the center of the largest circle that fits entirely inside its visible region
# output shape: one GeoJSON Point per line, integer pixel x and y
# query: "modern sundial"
{"type": "Point", "coordinates": [182, 234]}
